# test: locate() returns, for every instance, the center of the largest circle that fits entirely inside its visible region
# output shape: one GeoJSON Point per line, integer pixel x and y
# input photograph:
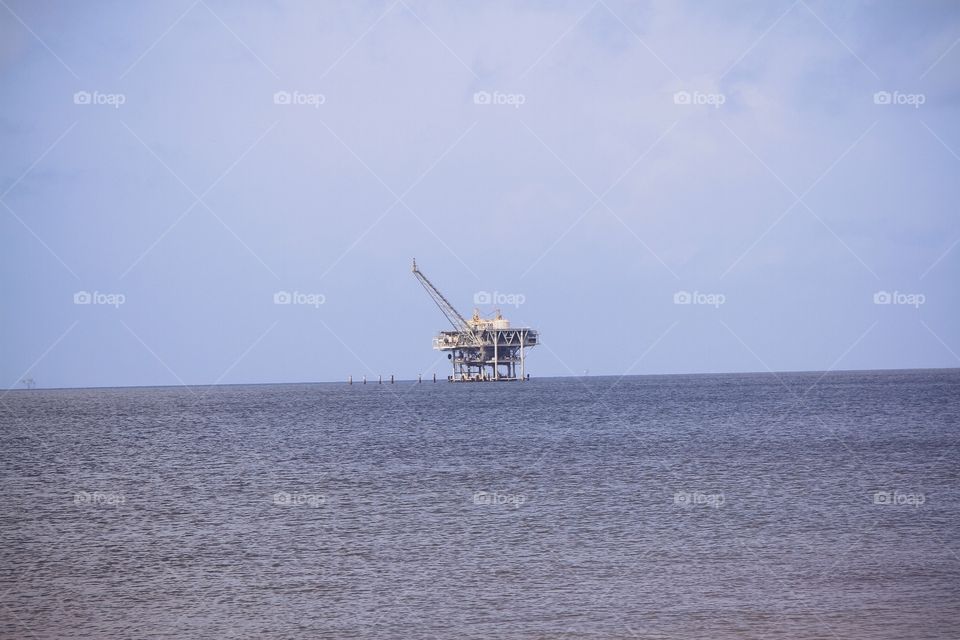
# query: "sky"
{"type": "Point", "coordinates": [203, 191]}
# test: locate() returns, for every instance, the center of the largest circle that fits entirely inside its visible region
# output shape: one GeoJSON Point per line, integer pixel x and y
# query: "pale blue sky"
{"type": "Point", "coordinates": [593, 191]}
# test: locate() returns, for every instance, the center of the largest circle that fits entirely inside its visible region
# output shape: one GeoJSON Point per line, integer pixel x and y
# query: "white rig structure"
{"type": "Point", "coordinates": [480, 350]}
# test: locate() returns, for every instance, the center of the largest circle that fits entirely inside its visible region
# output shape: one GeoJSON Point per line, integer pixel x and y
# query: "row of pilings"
{"type": "Point", "coordinates": [380, 379]}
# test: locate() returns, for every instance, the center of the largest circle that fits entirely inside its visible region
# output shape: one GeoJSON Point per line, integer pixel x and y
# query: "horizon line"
{"type": "Point", "coordinates": [532, 378]}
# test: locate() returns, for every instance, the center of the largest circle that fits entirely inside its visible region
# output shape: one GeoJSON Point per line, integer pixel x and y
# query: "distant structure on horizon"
{"type": "Point", "coordinates": [480, 350]}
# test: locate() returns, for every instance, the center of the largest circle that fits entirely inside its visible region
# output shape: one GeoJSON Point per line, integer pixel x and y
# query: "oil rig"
{"type": "Point", "coordinates": [480, 350]}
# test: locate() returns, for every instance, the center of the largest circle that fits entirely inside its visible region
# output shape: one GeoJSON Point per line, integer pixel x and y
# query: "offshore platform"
{"type": "Point", "coordinates": [480, 350]}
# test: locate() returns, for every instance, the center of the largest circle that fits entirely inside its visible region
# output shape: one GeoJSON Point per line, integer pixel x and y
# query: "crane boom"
{"type": "Point", "coordinates": [457, 320]}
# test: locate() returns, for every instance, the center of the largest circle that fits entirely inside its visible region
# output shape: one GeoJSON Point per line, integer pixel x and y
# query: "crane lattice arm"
{"type": "Point", "coordinates": [457, 320]}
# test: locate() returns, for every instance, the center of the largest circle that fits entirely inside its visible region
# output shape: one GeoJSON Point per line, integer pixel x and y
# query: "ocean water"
{"type": "Point", "coordinates": [713, 506]}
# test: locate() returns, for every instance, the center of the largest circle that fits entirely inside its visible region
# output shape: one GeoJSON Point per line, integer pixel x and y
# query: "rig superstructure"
{"type": "Point", "coordinates": [480, 349]}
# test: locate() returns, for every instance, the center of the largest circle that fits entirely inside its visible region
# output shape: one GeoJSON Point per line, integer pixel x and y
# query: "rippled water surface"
{"type": "Point", "coordinates": [728, 506]}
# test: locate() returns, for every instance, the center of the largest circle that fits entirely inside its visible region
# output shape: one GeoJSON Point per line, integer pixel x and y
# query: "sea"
{"type": "Point", "coordinates": [788, 505]}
